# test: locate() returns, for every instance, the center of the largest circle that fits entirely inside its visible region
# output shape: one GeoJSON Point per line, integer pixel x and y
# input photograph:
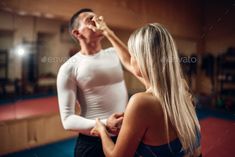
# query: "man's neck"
{"type": "Point", "coordinates": [90, 48]}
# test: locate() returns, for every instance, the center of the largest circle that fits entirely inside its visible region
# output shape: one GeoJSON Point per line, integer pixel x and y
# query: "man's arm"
{"type": "Point", "coordinates": [67, 89]}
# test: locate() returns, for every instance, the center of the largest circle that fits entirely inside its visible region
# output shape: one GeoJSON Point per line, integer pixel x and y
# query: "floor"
{"type": "Point", "coordinates": [28, 108]}
{"type": "Point", "coordinates": [218, 129]}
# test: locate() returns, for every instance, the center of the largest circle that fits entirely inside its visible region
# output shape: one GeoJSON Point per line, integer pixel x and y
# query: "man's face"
{"type": "Point", "coordinates": [85, 19]}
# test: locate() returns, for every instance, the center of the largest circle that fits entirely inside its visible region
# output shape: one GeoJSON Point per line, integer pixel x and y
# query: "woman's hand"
{"type": "Point", "coordinates": [100, 25]}
{"type": "Point", "coordinates": [99, 127]}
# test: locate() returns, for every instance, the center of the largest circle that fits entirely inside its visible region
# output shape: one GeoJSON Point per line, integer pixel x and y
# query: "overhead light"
{"type": "Point", "coordinates": [8, 9]}
{"type": "Point", "coordinates": [49, 16]}
{"type": "Point", "coordinates": [38, 14]}
{"type": "Point", "coordinates": [22, 13]}
{"type": "Point", "coordinates": [20, 51]}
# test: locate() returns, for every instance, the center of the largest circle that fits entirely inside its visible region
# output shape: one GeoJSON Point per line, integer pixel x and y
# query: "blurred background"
{"type": "Point", "coordinates": [34, 43]}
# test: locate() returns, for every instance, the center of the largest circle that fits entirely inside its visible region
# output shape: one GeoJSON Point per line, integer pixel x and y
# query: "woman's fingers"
{"type": "Point", "coordinates": [99, 125]}
{"type": "Point", "coordinates": [94, 132]}
{"type": "Point", "coordinates": [101, 18]}
{"type": "Point", "coordinates": [92, 27]}
{"type": "Point", "coordinates": [99, 21]}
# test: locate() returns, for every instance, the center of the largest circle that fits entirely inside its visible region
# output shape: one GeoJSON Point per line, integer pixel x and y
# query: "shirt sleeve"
{"type": "Point", "coordinates": [67, 90]}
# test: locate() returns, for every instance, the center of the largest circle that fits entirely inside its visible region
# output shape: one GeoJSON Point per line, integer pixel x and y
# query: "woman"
{"type": "Point", "coordinates": [160, 121]}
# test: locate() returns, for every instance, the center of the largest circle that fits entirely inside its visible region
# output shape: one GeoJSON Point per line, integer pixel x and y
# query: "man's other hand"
{"type": "Point", "coordinates": [114, 123]}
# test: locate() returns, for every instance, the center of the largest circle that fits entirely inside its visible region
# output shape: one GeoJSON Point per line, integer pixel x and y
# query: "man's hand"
{"type": "Point", "coordinates": [114, 123]}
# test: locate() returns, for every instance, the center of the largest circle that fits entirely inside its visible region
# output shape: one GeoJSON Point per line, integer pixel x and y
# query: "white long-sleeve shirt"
{"type": "Point", "coordinates": [96, 84]}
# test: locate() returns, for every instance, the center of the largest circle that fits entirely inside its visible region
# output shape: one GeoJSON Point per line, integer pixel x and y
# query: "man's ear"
{"type": "Point", "coordinates": [76, 33]}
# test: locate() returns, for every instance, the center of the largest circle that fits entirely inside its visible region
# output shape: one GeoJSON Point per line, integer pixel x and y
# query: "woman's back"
{"type": "Point", "coordinates": [154, 141]}
{"type": "Point", "coordinates": [156, 134]}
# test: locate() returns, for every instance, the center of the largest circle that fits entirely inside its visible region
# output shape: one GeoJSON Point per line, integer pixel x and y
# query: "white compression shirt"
{"type": "Point", "coordinates": [96, 84]}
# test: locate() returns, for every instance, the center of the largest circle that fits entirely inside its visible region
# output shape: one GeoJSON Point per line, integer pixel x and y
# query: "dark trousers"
{"type": "Point", "coordinates": [89, 146]}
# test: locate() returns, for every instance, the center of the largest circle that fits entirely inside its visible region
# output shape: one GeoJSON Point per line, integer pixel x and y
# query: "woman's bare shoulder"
{"type": "Point", "coordinates": [143, 102]}
{"type": "Point", "coordinates": [144, 98]}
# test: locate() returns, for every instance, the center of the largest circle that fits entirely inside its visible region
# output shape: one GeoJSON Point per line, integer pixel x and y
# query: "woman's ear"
{"type": "Point", "coordinates": [139, 73]}
{"type": "Point", "coordinates": [135, 67]}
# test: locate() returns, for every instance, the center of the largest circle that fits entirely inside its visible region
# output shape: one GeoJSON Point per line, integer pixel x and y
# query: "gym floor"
{"type": "Point", "coordinates": [218, 131]}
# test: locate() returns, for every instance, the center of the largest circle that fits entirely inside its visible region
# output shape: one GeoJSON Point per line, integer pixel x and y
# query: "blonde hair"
{"type": "Point", "coordinates": [155, 52]}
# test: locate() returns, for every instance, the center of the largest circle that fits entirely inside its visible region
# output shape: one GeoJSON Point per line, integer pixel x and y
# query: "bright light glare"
{"type": "Point", "coordinates": [20, 51]}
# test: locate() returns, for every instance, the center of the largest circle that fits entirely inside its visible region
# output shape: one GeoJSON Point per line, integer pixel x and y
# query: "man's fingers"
{"type": "Point", "coordinates": [119, 119]}
{"type": "Point", "coordinates": [119, 122]}
{"type": "Point", "coordinates": [121, 114]}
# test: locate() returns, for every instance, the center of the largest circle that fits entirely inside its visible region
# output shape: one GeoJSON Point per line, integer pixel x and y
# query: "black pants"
{"type": "Point", "coordinates": [88, 146]}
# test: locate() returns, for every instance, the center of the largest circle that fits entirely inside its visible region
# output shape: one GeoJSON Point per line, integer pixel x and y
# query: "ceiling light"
{"type": "Point", "coordinates": [20, 51]}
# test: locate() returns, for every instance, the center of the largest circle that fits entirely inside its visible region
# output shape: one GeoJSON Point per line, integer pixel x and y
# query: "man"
{"type": "Point", "coordinates": [93, 79]}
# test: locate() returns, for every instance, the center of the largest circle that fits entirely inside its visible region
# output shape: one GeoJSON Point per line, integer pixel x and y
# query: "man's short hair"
{"type": "Point", "coordinates": [73, 23]}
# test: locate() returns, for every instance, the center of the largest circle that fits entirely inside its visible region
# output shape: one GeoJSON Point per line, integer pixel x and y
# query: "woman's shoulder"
{"type": "Point", "coordinates": [144, 98]}
{"type": "Point", "coordinates": [139, 96]}
{"type": "Point", "coordinates": [143, 102]}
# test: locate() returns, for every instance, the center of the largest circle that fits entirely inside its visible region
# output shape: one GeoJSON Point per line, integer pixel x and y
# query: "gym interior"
{"type": "Point", "coordinates": [35, 42]}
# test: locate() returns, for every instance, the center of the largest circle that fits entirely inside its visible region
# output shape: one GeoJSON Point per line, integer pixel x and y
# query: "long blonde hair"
{"type": "Point", "coordinates": [155, 52]}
